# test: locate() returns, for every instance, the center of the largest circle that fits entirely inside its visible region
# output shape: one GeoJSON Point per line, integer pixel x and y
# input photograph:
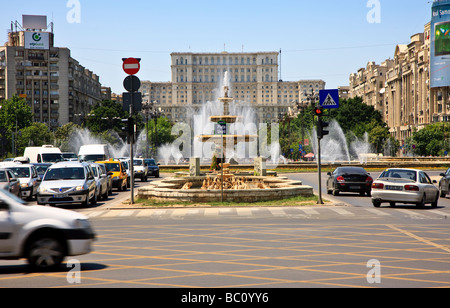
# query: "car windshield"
{"type": "Point", "coordinates": [3, 176]}
{"type": "Point", "coordinates": [70, 155]}
{"type": "Point", "coordinates": [355, 170]}
{"type": "Point", "coordinates": [52, 158]}
{"type": "Point", "coordinates": [400, 174]}
{"type": "Point", "coordinates": [68, 173]}
{"type": "Point", "coordinates": [92, 158]}
{"type": "Point", "coordinates": [41, 169]}
{"type": "Point", "coordinates": [114, 167]}
{"type": "Point", "coordinates": [94, 170]}
{"type": "Point", "coordinates": [137, 162]}
{"type": "Point", "coordinates": [21, 172]}
{"type": "Point", "coordinates": [150, 162]}
{"type": "Point", "coordinates": [125, 163]}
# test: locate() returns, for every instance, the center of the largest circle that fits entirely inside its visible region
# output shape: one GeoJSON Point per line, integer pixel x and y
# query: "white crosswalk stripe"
{"type": "Point", "coordinates": [292, 212]}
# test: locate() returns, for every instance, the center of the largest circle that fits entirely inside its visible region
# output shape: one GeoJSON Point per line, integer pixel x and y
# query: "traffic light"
{"type": "Point", "coordinates": [320, 128]}
{"type": "Point", "coordinates": [318, 111]}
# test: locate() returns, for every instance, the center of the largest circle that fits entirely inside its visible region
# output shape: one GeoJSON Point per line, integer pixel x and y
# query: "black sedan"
{"type": "Point", "coordinates": [349, 179]}
{"type": "Point", "coordinates": [9, 182]}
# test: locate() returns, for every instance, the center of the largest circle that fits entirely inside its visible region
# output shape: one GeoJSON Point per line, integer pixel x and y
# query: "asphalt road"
{"type": "Point", "coordinates": [332, 246]}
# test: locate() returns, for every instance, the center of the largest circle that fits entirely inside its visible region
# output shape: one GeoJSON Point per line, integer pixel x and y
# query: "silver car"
{"type": "Point", "coordinates": [29, 180]}
{"type": "Point", "coordinates": [407, 186]}
{"type": "Point", "coordinates": [101, 180]}
{"type": "Point", "coordinates": [66, 183]}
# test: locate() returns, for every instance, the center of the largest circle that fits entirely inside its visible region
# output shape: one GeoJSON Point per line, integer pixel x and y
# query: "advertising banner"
{"type": "Point", "coordinates": [37, 40]}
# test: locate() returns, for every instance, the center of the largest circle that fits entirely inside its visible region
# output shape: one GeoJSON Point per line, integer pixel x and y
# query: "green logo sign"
{"type": "Point", "coordinates": [36, 37]}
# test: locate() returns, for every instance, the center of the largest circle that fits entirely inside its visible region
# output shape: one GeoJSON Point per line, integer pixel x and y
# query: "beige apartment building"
{"type": "Point", "coordinates": [254, 80]}
{"type": "Point", "coordinates": [55, 85]}
{"type": "Point", "coordinates": [400, 88]}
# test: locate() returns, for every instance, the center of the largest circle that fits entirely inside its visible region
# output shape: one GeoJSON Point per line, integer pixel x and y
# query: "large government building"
{"type": "Point", "coordinates": [55, 85]}
{"type": "Point", "coordinates": [254, 79]}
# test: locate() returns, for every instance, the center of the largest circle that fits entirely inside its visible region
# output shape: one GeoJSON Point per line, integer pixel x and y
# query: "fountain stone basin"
{"type": "Point", "coordinates": [172, 189]}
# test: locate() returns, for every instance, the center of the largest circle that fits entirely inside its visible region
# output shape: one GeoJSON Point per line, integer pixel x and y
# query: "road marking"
{"type": "Point", "coordinates": [244, 212]}
{"type": "Point", "coordinates": [145, 213]}
{"type": "Point", "coordinates": [341, 211]}
{"type": "Point", "coordinates": [277, 212]}
{"type": "Point", "coordinates": [378, 212]}
{"type": "Point", "coordinates": [211, 212]}
{"type": "Point", "coordinates": [412, 214]}
{"type": "Point", "coordinates": [440, 213]}
{"type": "Point", "coordinates": [95, 214]}
{"type": "Point", "coordinates": [127, 213]}
{"type": "Point", "coordinates": [309, 211]}
{"type": "Point", "coordinates": [420, 239]}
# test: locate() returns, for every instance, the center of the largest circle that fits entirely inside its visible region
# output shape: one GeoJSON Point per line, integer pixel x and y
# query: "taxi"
{"type": "Point", "coordinates": [117, 171]}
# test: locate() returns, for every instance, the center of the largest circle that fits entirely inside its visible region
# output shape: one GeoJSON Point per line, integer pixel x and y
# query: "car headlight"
{"type": "Point", "coordinates": [79, 188]}
{"type": "Point", "coordinates": [43, 190]}
{"type": "Point", "coordinates": [82, 224]}
{"type": "Point", "coordinates": [25, 185]}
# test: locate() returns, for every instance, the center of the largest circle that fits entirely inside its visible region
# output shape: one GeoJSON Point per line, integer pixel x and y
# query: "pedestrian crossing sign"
{"type": "Point", "coordinates": [329, 99]}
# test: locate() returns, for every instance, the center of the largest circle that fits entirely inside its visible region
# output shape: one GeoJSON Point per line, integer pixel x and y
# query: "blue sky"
{"type": "Point", "coordinates": [327, 39]}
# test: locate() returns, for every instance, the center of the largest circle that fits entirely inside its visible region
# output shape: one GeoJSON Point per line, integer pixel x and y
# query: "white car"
{"type": "Point", "coordinates": [101, 180]}
{"type": "Point", "coordinates": [29, 179]}
{"type": "Point", "coordinates": [407, 186]}
{"type": "Point", "coordinates": [42, 235]}
{"type": "Point", "coordinates": [140, 169]}
{"type": "Point", "coordinates": [66, 183]}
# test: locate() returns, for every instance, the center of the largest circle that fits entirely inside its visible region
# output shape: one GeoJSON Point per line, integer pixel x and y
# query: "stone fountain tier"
{"type": "Point", "coordinates": [189, 189]}
{"type": "Point", "coordinates": [229, 119]}
{"type": "Point", "coordinates": [227, 139]}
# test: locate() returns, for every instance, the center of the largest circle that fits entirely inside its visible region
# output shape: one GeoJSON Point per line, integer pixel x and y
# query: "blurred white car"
{"type": "Point", "coordinates": [29, 179]}
{"type": "Point", "coordinates": [408, 186]}
{"type": "Point", "coordinates": [42, 235]}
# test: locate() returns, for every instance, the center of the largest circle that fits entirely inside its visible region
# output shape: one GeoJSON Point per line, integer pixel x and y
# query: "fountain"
{"type": "Point", "coordinates": [224, 184]}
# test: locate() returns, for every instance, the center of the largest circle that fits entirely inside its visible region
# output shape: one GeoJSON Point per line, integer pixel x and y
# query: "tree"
{"type": "Point", "coordinates": [15, 114]}
{"type": "Point", "coordinates": [163, 133]}
{"type": "Point", "coordinates": [63, 134]}
{"type": "Point", "coordinates": [431, 140]}
{"type": "Point", "coordinates": [106, 115]}
{"type": "Point", "coordinates": [37, 134]}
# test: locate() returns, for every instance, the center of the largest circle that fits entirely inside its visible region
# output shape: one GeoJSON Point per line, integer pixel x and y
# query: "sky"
{"type": "Point", "coordinates": [327, 39]}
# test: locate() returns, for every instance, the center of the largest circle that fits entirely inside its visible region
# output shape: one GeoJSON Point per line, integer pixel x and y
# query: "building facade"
{"type": "Point", "coordinates": [54, 84]}
{"type": "Point", "coordinates": [400, 88]}
{"type": "Point", "coordinates": [196, 79]}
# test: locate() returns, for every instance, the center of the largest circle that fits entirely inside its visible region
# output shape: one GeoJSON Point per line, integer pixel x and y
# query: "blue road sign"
{"type": "Point", "coordinates": [329, 99]}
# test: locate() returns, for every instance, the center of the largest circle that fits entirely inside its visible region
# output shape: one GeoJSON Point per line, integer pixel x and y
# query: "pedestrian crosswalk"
{"type": "Point", "coordinates": [272, 212]}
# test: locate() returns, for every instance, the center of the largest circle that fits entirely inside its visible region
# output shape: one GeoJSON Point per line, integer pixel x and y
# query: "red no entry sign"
{"type": "Point", "coordinates": [131, 66]}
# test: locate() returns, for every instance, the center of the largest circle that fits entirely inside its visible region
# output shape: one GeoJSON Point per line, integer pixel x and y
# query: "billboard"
{"type": "Point", "coordinates": [37, 40]}
{"type": "Point", "coordinates": [34, 22]}
{"type": "Point", "coordinates": [440, 44]}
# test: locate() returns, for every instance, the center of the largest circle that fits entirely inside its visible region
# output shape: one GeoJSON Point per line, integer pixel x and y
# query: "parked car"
{"type": "Point", "coordinates": [28, 178]}
{"type": "Point", "coordinates": [126, 163]}
{"type": "Point", "coordinates": [404, 186]}
{"type": "Point", "coordinates": [9, 182]}
{"type": "Point", "coordinates": [101, 180]}
{"type": "Point", "coordinates": [41, 168]}
{"type": "Point", "coordinates": [140, 169]}
{"type": "Point", "coordinates": [118, 173]}
{"type": "Point", "coordinates": [66, 183]}
{"type": "Point", "coordinates": [42, 235]}
{"type": "Point", "coordinates": [444, 184]}
{"type": "Point", "coordinates": [108, 178]}
{"type": "Point", "coordinates": [349, 179]}
{"type": "Point", "coordinates": [153, 167]}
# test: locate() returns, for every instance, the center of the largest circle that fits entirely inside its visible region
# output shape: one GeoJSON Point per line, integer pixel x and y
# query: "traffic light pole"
{"type": "Point", "coordinates": [131, 136]}
{"type": "Point", "coordinates": [319, 167]}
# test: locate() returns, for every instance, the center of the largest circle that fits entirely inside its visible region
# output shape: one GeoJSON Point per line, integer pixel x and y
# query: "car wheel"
{"type": "Point", "coordinates": [335, 192]}
{"type": "Point", "coordinates": [157, 175]}
{"type": "Point", "coordinates": [105, 195]}
{"type": "Point", "coordinates": [392, 204]}
{"type": "Point", "coordinates": [421, 204]}
{"type": "Point", "coordinates": [45, 252]}
{"type": "Point", "coordinates": [441, 192]}
{"type": "Point", "coordinates": [435, 203]}
{"type": "Point", "coordinates": [94, 198]}
{"type": "Point", "coordinates": [376, 203]}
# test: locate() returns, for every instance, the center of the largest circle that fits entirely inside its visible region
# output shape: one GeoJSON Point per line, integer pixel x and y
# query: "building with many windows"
{"type": "Point", "coordinates": [56, 86]}
{"type": "Point", "coordinates": [400, 88]}
{"type": "Point", "coordinates": [196, 79]}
